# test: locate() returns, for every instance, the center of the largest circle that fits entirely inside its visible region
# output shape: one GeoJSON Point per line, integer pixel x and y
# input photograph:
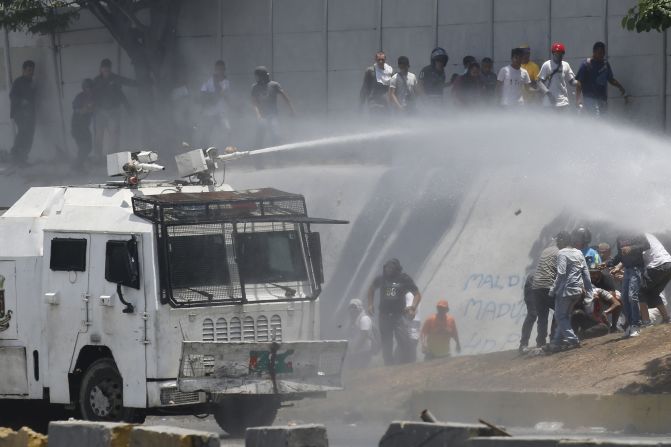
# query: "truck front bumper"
{"type": "Point", "coordinates": [274, 368]}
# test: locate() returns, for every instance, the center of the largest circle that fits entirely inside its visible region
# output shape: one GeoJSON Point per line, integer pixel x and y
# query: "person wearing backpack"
{"type": "Point", "coordinates": [593, 78]}
{"type": "Point", "coordinates": [554, 78]}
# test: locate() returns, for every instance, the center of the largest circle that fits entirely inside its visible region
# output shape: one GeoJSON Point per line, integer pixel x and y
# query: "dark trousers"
{"type": "Point", "coordinates": [544, 302]}
{"type": "Point", "coordinates": [530, 319]}
{"type": "Point", "coordinates": [395, 327]}
{"type": "Point", "coordinates": [653, 284]}
{"type": "Point", "coordinates": [84, 140]}
{"type": "Point", "coordinates": [24, 137]}
{"type": "Point", "coordinates": [586, 327]}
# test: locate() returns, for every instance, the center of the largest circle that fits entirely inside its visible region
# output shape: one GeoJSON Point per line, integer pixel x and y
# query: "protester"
{"type": "Point", "coordinates": [432, 77]}
{"type": "Point", "coordinates": [403, 88]}
{"type": "Point", "coordinates": [602, 280]}
{"type": "Point", "coordinates": [656, 276]}
{"type": "Point", "coordinates": [530, 95]}
{"type": "Point", "coordinates": [512, 81]}
{"type": "Point", "coordinates": [469, 89]}
{"type": "Point", "coordinates": [23, 111]}
{"type": "Point", "coordinates": [593, 78]}
{"type": "Point", "coordinates": [630, 248]}
{"type": "Point", "coordinates": [83, 107]}
{"type": "Point", "coordinates": [593, 316]}
{"type": "Point", "coordinates": [437, 331]}
{"type": "Point", "coordinates": [214, 98]}
{"type": "Point", "coordinates": [543, 280]}
{"type": "Point", "coordinates": [488, 79]}
{"type": "Point", "coordinates": [264, 100]}
{"type": "Point", "coordinates": [604, 251]}
{"type": "Point", "coordinates": [554, 77]}
{"type": "Point", "coordinates": [361, 340]}
{"type": "Point", "coordinates": [375, 88]}
{"type": "Point", "coordinates": [582, 237]}
{"type": "Point", "coordinates": [109, 97]}
{"type": "Point", "coordinates": [466, 63]}
{"type": "Point", "coordinates": [393, 285]}
{"type": "Point", "coordinates": [531, 317]}
{"type": "Point", "coordinates": [571, 283]}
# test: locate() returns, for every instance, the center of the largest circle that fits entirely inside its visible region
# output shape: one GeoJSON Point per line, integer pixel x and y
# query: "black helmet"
{"type": "Point", "coordinates": [581, 236]}
{"type": "Point", "coordinates": [439, 54]}
{"type": "Point", "coordinates": [262, 73]}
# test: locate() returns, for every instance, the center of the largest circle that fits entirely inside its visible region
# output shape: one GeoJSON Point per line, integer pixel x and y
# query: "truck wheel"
{"type": "Point", "coordinates": [101, 395]}
{"type": "Point", "coordinates": [235, 414]}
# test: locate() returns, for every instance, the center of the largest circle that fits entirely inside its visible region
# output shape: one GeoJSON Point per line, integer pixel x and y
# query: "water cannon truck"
{"type": "Point", "coordinates": [138, 297]}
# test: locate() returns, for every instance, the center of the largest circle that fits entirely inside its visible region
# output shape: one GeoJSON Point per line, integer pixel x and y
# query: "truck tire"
{"type": "Point", "coordinates": [101, 395]}
{"type": "Point", "coordinates": [235, 414]}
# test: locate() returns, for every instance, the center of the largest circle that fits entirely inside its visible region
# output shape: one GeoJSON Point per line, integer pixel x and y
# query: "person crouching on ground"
{"type": "Point", "coordinates": [437, 331]}
{"type": "Point", "coordinates": [572, 283]}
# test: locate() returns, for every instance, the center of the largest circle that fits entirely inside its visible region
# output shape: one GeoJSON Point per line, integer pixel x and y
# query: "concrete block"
{"type": "Point", "coordinates": [295, 16]}
{"type": "Point", "coordinates": [90, 434]}
{"type": "Point", "coordinates": [452, 12]}
{"type": "Point", "coordinates": [29, 438]}
{"type": "Point", "coordinates": [402, 433]}
{"type": "Point", "coordinates": [473, 39]}
{"type": "Point", "coordinates": [162, 436]}
{"type": "Point", "coordinates": [299, 52]}
{"type": "Point", "coordinates": [342, 16]}
{"type": "Point", "coordinates": [401, 13]}
{"type": "Point", "coordinates": [245, 17]}
{"type": "Point", "coordinates": [578, 8]}
{"type": "Point", "coordinates": [578, 34]}
{"type": "Point", "coordinates": [311, 435]}
{"type": "Point", "coordinates": [352, 50]}
{"type": "Point", "coordinates": [498, 441]}
{"type": "Point", "coordinates": [519, 10]}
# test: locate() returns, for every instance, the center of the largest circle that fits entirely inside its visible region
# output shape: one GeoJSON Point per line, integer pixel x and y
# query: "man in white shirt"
{"type": "Point", "coordinates": [512, 80]}
{"type": "Point", "coordinates": [403, 87]}
{"type": "Point", "coordinates": [554, 77]}
{"type": "Point", "coordinates": [375, 88]}
{"type": "Point", "coordinates": [214, 99]}
{"type": "Point", "coordinates": [656, 276]}
{"type": "Point", "coordinates": [360, 348]}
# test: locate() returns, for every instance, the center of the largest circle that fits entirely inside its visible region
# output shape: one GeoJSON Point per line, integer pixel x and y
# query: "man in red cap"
{"type": "Point", "coordinates": [437, 331]}
{"type": "Point", "coordinates": [556, 74]}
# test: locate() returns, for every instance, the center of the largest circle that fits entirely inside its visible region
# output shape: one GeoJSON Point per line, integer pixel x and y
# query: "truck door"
{"type": "Point", "coordinates": [13, 361]}
{"type": "Point", "coordinates": [116, 277]}
{"type": "Point", "coordinates": [66, 295]}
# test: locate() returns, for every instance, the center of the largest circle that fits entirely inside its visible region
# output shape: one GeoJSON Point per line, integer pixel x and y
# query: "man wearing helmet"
{"type": "Point", "coordinates": [554, 77]}
{"type": "Point", "coordinates": [432, 77]}
{"type": "Point", "coordinates": [437, 331]}
{"type": "Point", "coordinates": [581, 238]}
{"type": "Point", "coordinates": [395, 315]}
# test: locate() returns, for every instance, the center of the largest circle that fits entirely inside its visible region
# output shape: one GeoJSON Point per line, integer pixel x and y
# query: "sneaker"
{"type": "Point", "coordinates": [627, 332]}
{"type": "Point", "coordinates": [523, 349]}
{"type": "Point", "coordinates": [645, 323]}
{"type": "Point", "coordinates": [635, 331]}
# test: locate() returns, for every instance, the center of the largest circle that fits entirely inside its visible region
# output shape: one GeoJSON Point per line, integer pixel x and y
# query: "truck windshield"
{"type": "Point", "coordinates": [268, 257]}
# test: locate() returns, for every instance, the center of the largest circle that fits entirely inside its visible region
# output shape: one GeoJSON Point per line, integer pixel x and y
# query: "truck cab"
{"type": "Point", "coordinates": [123, 301]}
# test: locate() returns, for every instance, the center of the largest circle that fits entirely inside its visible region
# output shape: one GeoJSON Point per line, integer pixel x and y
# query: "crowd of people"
{"type": "Point", "coordinates": [521, 83]}
{"type": "Point", "coordinates": [397, 331]}
{"type": "Point", "coordinates": [592, 292]}
{"type": "Point", "coordinates": [98, 108]}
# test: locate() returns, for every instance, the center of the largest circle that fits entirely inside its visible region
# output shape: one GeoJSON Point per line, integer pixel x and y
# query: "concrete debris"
{"type": "Point", "coordinates": [310, 435]}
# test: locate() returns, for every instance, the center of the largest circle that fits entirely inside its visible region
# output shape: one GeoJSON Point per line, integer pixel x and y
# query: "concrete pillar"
{"type": "Point", "coordinates": [310, 435]}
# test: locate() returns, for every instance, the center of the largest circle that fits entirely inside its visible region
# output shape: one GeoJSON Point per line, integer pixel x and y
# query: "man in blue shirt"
{"type": "Point", "coordinates": [582, 237]}
{"type": "Point", "coordinates": [593, 78]}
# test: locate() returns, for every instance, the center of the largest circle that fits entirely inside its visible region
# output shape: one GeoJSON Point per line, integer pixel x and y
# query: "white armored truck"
{"type": "Point", "coordinates": [125, 299]}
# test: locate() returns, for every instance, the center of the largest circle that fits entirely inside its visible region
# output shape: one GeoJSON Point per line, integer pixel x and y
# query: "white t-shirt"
{"type": "Point", "coordinates": [656, 255]}
{"type": "Point", "coordinates": [415, 324]}
{"type": "Point", "coordinates": [513, 85]}
{"type": "Point", "coordinates": [405, 87]}
{"type": "Point", "coordinates": [219, 107]}
{"type": "Point", "coordinates": [383, 75]}
{"type": "Point", "coordinates": [558, 82]}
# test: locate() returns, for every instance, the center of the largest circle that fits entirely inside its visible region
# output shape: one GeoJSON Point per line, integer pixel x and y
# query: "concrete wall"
{"type": "Point", "coordinates": [318, 49]}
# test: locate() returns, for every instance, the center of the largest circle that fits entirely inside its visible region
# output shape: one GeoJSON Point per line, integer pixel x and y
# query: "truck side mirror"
{"type": "Point", "coordinates": [121, 263]}
{"type": "Point", "coordinates": [315, 247]}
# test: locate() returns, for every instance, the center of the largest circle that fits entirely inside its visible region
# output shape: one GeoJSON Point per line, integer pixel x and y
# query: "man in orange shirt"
{"type": "Point", "coordinates": [437, 331]}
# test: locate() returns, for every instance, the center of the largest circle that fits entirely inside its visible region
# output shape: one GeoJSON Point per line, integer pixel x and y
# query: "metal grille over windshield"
{"type": "Point", "coordinates": [200, 265]}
